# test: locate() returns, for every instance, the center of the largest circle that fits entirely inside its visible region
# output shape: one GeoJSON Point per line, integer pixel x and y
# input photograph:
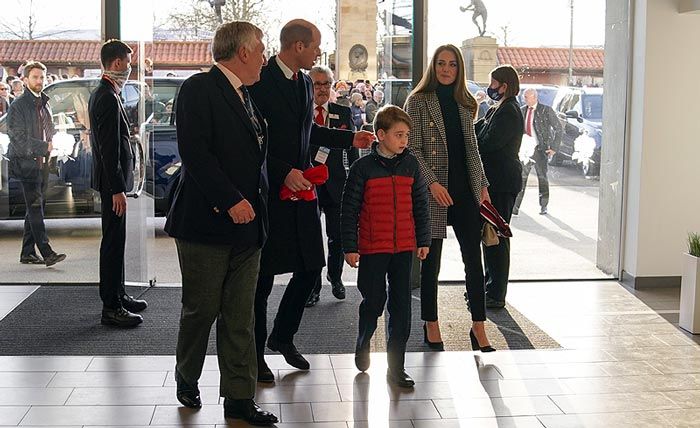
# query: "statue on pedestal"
{"type": "Point", "coordinates": [479, 11]}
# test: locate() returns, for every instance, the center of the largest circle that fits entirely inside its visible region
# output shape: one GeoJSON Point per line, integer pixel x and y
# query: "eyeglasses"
{"type": "Point", "coordinates": [318, 85]}
{"type": "Point", "coordinates": [3, 89]}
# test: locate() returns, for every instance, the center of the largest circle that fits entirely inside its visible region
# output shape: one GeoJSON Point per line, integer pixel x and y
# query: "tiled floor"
{"type": "Point", "coordinates": [623, 365]}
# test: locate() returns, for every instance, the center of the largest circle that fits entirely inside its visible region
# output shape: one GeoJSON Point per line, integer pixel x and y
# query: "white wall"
{"type": "Point", "coordinates": [663, 181]}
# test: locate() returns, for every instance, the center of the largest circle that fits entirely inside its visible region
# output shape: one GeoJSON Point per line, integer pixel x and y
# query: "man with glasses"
{"type": "Point", "coordinates": [4, 98]}
{"type": "Point", "coordinates": [331, 115]}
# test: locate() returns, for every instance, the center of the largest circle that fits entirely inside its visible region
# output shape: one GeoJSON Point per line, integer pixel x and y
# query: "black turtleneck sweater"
{"type": "Point", "coordinates": [458, 175]}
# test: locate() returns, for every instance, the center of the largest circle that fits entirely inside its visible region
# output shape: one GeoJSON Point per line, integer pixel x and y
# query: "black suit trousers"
{"type": "Point", "coordinates": [334, 266]}
{"type": "Point", "coordinates": [290, 311]}
{"type": "Point", "coordinates": [112, 254]}
{"type": "Point", "coordinates": [541, 169]}
{"type": "Point", "coordinates": [497, 257]}
{"type": "Point", "coordinates": [34, 227]}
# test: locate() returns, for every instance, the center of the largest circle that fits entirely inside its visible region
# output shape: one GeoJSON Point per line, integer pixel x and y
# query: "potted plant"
{"type": "Point", "coordinates": [689, 318]}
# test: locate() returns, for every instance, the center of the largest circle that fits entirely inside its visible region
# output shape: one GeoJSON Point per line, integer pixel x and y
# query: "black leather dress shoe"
{"type": "Point", "coordinates": [289, 352]}
{"type": "Point", "coordinates": [133, 305]}
{"type": "Point", "coordinates": [187, 394]}
{"type": "Point", "coordinates": [265, 375]}
{"type": "Point", "coordinates": [399, 378]}
{"type": "Point", "coordinates": [54, 258]}
{"type": "Point", "coordinates": [31, 259]}
{"type": "Point", "coordinates": [338, 289]}
{"type": "Point", "coordinates": [312, 300]}
{"type": "Point", "coordinates": [248, 411]}
{"type": "Point", "coordinates": [120, 318]}
{"type": "Point", "coordinates": [362, 359]}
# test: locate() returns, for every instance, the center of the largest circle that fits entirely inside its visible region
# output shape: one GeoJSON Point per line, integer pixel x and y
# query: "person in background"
{"type": "Point", "coordinates": [357, 110]}
{"type": "Point", "coordinates": [31, 130]}
{"type": "Point", "coordinates": [4, 98]}
{"type": "Point", "coordinates": [385, 219]}
{"type": "Point", "coordinates": [482, 101]}
{"type": "Point", "coordinates": [17, 88]}
{"type": "Point", "coordinates": [500, 133]}
{"type": "Point", "coordinates": [375, 103]}
{"type": "Point", "coordinates": [442, 111]}
{"type": "Point", "coordinates": [542, 124]}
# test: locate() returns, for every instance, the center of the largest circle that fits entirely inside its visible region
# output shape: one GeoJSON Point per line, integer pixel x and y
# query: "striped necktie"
{"type": "Point", "coordinates": [251, 113]}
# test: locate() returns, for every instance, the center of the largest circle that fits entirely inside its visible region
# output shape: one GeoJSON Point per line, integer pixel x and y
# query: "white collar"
{"type": "Point", "coordinates": [288, 73]}
{"type": "Point", "coordinates": [324, 105]}
{"type": "Point", "coordinates": [34, 93]}
{"type": "Point", "coordinates": [231, 76]}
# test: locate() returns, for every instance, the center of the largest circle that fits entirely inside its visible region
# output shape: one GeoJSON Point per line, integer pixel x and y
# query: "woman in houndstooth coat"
{"type": "Point", "coordinates": [442, 138]}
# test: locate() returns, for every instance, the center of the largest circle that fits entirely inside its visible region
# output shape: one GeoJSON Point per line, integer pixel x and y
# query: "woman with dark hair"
{"type": "Point", "coordinates": [500, 133]}
{"type": "Point", "coordinates": [442, 138]}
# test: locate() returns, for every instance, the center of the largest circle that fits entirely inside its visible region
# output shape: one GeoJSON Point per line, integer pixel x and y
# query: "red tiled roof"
{"type": "Point", "coordinates": [551, 58]}
{"type": "Point", "coordinates": [87, 52]}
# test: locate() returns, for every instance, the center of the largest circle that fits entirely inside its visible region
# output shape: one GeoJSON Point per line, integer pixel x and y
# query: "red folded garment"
{"type": "Point", "coordinates": [316, 175]}
{"type": "Point", "coordinates": [491, 215]}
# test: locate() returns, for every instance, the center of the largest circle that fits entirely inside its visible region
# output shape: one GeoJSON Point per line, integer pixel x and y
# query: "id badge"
{"type": "Point", "coordinates": [322, 155]}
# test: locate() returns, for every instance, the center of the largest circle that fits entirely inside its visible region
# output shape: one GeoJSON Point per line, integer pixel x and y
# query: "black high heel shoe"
{"type": "Point", "coordinates": [475, 343]}
{"type": "Point", "coordinates": [435, 346]}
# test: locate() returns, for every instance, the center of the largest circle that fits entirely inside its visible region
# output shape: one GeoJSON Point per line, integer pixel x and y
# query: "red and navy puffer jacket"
{"type": "Point", "coordinates": [385, 204]}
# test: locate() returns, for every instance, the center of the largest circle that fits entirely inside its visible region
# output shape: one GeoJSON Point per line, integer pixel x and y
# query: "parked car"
{"type": "Point", "coordinates": [580, 112]}
{"type": "Point", "coordinates": [546, 94]}
{"type": "Point", "coordinates": [69, 193]}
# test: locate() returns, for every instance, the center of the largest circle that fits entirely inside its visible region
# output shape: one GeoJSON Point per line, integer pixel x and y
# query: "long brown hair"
{"type": "Point", "coordinates": [429, 81]}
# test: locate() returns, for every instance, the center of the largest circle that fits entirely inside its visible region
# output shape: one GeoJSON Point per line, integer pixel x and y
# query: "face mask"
{"type": "Point", "coordinates": [494, 94]}
{"type": "Point", "coordinates": [119, 77]}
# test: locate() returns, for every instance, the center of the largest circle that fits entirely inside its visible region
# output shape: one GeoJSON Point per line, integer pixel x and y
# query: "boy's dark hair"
{"type": "Point", "coordinates": [388, 116]}
{"type": "Point", "coordinates": [113, 49]}
{"type": "Point", "coordinates": [31, 65]}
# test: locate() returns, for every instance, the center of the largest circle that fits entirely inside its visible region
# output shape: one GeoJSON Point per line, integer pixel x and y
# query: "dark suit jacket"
{"type": "Point", "coordinates": [113, 159]}
{"type": "Point", "coordinates": [295, 243]}
{"type": "Point", "coordinates": [222, 164]}
{"type": "Point", "coordinates": [500, 133]}
{"type": "Point", "coordinates": [332, 191]}
{"type": "Point", "coordinates": [27, 139]}
{"type": "Point", "coordinates": [547, 127]}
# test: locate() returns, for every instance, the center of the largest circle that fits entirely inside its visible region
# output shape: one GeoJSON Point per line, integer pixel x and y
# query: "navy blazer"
{"type": "Point", "coordinates": [222, 164]}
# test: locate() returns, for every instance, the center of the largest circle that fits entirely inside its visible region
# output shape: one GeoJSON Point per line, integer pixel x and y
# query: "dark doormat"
{"type": "Point", "coordinates": [64, 320]}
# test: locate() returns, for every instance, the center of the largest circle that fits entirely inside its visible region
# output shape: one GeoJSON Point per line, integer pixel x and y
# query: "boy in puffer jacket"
{"type": "Point", "coordinates": [385, 218]}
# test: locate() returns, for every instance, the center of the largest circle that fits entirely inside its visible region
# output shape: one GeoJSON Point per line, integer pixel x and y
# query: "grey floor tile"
{"type": "Point", "coordinates": [297, 394]}
{"type": "Point", "coordinates": [421, 391]}
{"type": "Point", "coordinates": [107, 379]}
{"type": "Point", "coordinates": [374, 411]}
{"type": "Point", "coordinates": [308, 377]}
{"type": "Point", "coordinates": [296, 412]}
{"type": "Point", "coordinates": [147, 426]}
{"type": "Point", "coordinates": [685, 418]}
{"type": "Point", "coordinates": [600, 403]}
{"type": "Point", "coordinates": [550, 371]}
{"type": "Point", "coordinates": [675, 366]}
{"type": "Point", "coordinates": [133, 364]}
{"type": "Point", "coordinates": [604, 420]}
{"type": "Point", "coordinates": [689, 399]}
{"type": "Point", "coordinates": [88, 415]}
{"type": "Point", "coordinates": [241, 424]}
{"type": "Point", "coordinates": [25, 379]}
{"type": "Point", "coordinates": [18, 288]}
{"type": "Point", "coordinates": [12, 415]}
{"type": "Point", "coordinates": [380, 423]}
{"type": "Point", "coordinates": [207, 415]}
{"type": "Point", "coordinates": [492, 407]}
{"type": "Point", "coordinates": [43, 364]}
{"type": "Point", "coordinates": [34, 396]}
{"type": "Point", "coordinates": [134, 396]}
{"type": "Point", "coordinates": [505, 422]}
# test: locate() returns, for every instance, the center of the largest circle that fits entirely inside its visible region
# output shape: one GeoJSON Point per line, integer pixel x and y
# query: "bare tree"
{"type": "Point", "coordinates": [25, 26]}
{"type": "Point", "coordinates": [505, 30]}
{"type": "Point", "coordinates": [200, 19]}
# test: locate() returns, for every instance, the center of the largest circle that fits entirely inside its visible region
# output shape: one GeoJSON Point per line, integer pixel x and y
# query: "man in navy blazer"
{"type": "Point", "coordinates": [219, 220]}
{"type": "Point", "coordinates": [285, 98]}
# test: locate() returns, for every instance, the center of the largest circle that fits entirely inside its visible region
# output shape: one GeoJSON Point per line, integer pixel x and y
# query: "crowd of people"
{"type": "Point", "coordinates": [263, 144]}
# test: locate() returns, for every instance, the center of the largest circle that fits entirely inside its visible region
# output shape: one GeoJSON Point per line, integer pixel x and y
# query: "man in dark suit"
{"type": "Point", "coordinates": [31, 130]}
{"type": "Point", "coordinates": [542, 124]}
{"type": "Point", "coordinates": [112, 176]}
{"type": "Point", "coordinates": [285, 98]}
{"type": "Point", "coordinates": [219, 220]}
{"type": "Point", "coordinates": [330, 194]}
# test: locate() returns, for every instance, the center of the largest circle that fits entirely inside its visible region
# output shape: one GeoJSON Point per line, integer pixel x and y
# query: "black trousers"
{"type": "Point", "coordinates": [290, 311]}
{"type": "Point", "coordinates": [497, 257]}
{"type": "Point", "coordinates": [334, 267]}
{"type": "Point", "coordinates": [540, 158]}
{"type": "Point", "coordinates": [34, 227]}
{"type": "Point", "coordinates": [112, 254]}
{"type": "Point", "coordinates": [466, 223]}
{"type": "Point", "coordinates": [371, 282]}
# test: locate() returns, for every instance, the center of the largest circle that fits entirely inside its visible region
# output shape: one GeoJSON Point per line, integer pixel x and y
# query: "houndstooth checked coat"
{"type": "Point", "coordinates": [428, 143]}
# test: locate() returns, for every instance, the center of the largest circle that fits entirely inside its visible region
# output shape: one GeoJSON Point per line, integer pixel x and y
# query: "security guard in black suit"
{"type": "Point", "coordinates": [330, 194]}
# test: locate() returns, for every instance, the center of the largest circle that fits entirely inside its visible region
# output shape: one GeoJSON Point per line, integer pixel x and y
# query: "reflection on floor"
{"type": "Point", "coordinates": [623, 365]}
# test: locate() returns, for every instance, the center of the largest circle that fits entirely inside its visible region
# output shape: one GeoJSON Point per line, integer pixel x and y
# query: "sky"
{"type": "Point", "coordinates": [530, 22]}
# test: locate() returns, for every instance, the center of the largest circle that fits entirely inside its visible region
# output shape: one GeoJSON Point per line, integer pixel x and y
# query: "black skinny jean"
{"type": "Point", "coordinates": [466, 223]}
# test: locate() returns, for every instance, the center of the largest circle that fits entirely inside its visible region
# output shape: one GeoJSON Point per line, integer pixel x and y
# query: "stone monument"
{"type": "Point", "coordinates": [480, 58]}
{"type": "Point", "coordinates": [356, 40]}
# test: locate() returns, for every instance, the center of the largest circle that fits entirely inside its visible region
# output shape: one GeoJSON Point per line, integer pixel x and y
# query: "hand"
{"type": "Point", "coordinates": [363, 139]}
{"type": "Point", "coordinates": [119, 204]}
{"type": "Point", "coordinates": [423, 252]}
{"type": "Point", "coordinates": [550, 152]}
{"type": "Point", "coordinates": [441, 195]}
{"type": "Point", "coordinates": [242, 212]}
{"type": "Point", "coordinates": [352, 259]}
{"type": "Point", "coordinates": [484, 195]}
{"type": "Point", "coordinates": [296, 182]}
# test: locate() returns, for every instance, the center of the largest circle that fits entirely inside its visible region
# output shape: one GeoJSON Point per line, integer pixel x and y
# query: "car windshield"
{"type": "Point", "coordinates": [592, 106]}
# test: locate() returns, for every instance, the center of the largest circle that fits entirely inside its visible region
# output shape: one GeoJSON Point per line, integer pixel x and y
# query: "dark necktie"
{"type": "Point", "coordinates": [251, 113]}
